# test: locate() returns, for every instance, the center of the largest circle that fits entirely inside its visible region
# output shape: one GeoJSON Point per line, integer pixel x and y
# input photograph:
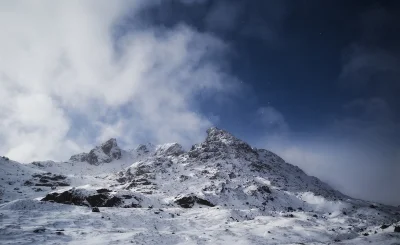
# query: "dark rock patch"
{"type": "Point", "coordinates": [28, 183]}
{"type": "Point", "coordinates": [264, 189]}
{"type": "Point", "coordinates": [39, 230]}
{"type": "Point", "coordinates": [66, 197]}
{"type": "Point", "coordinates": [47, 179]}
{"type": "Point", "coordinates": [113, 202]}
{"type": "Point", "coordinates": [384, 227]}
{"type": "Point", "coordinates": [103, 190]}
{"type": "Point", "coordinates": [183, 178]}
{"type": "Point", "coordinates": [95, 210]}
{"type": "Point", "coordinates": [122, 180]}
{"type": "Point", "coordinates": [97, 200]}
{"type": "Point", "coordinates": [189, 201]}
{"type": "Point", "coordinates": [75, 198]}
{"type": "Point", "coordinates": [289, 216]}
{"type": "Point", "coordinates": [397, 229]}
{"type": "Point", "coordinates": [132, 205]}
{"type": "Point", "coordinates": [139, 182]}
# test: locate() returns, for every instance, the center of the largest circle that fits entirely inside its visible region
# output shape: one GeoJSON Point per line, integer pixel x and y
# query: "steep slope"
{"type": "Point", "coordinates": [226, 190]}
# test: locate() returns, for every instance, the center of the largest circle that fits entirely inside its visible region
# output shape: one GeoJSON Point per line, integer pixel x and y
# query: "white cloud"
{"type": "Point", "coordinates": [64, 85]}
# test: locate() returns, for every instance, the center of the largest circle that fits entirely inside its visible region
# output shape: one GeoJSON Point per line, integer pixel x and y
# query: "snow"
{"type": "Point", "coordinates": [258, 198]}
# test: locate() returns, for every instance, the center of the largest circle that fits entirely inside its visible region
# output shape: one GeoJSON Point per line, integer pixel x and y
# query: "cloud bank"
{"type": "Point", "coordinates": [74, 74]}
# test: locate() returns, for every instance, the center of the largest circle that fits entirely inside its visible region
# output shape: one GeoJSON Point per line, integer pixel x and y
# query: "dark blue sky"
{"type": "Point", "coordinates": [291, 55]}
{"type": "Point", "coordinates": [319, 81]}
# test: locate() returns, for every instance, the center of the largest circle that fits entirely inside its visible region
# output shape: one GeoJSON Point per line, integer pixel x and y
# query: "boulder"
{"type": "Point", "coordinates": [189, 201]}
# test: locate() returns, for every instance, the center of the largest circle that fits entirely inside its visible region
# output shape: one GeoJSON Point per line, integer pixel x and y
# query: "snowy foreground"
{"type": "Point", "coordinates": [222, 191]}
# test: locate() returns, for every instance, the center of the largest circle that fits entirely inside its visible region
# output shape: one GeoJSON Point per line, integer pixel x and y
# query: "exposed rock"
{"type": "Point", "coordinates": [28, 183]}
{"type": "Point", "coordinates": [82, 157]}
{"type": "Point", "coordinates": [39, 230]}
{"type": "Point", "coordinates": [95, 210]}
{"type": "Point", "coordinates": [189, 201]}
{"type": "Point", "coordinates": [66, 197]}
{"type": "Point", "coordinates": [113, 202]}
{"type": "Point", "coordinates": [173, 149]}
{"type": "Point", "coordinates": [76, 197]}
{"type": "Point", "coordinates": [5, 158]}
{"type": "Point", "coordinates": [47, 179]}
{"type": "Point", "coordinates": [264, 189]}
{"type": "Point", "coordinates": [103, 190]}
{"type": "Point", "coordinates": [220, 144]}
{"type": "Point", "coordinates": [97, 200]}
{"type": "Point", "coordinates": [104, 153]}
{"type": "Point", "coordinates": [397, 229]}
{"type": "Point", "coordinates": [384, 227]}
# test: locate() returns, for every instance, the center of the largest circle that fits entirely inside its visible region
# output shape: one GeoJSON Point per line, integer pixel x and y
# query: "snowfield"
{"type": "Point", "coordinates": [221, 191]}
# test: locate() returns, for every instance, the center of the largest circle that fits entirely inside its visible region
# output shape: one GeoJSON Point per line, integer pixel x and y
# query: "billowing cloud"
{"type": "Point", "coordinates": [68, 82]}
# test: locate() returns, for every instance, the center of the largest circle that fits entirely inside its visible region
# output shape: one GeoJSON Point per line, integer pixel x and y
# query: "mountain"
{"type": "Point", "coordinates": [221, 191]}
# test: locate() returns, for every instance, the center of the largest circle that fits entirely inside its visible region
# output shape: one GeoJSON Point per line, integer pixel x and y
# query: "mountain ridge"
{"type": "Point", "coordinates": [222, 175]}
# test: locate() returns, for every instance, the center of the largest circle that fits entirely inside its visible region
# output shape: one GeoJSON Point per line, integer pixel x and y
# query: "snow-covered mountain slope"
{"type": "Point", "coordinates": [221, 191]}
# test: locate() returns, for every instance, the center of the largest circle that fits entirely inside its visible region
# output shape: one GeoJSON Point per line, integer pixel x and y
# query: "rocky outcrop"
{"type": "Point", "coordinates": [80, 198]}
{"type": "Point", "coordinates": [81, 157]}
{"type": "Point", "coordinates": [48, 180]}
{"type": "Point", "coordinates": [190, 201]}
{"type": "Point", "coordinates": [222, 145]}
{"type": "Point", "coordinates": [173, 149]}
{"type": "Point", "coordinates": [105, 153]}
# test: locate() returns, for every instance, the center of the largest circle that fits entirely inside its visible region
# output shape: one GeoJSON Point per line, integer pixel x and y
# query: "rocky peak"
{"type": "Point", "coordinates": [104, 153]}
{"type": "Point", "coordinates": [221, 144]}
{"type": "Point", "coordinates": [215, 134]}
{"type": "Point", "coordinates": [142, 150]}
{"type": "Point", "coordinates": [109, 145]}
{"type": "Point", "coordinates": [172, 149]}
{"type": "Point", "coordinates": [220, 136]}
